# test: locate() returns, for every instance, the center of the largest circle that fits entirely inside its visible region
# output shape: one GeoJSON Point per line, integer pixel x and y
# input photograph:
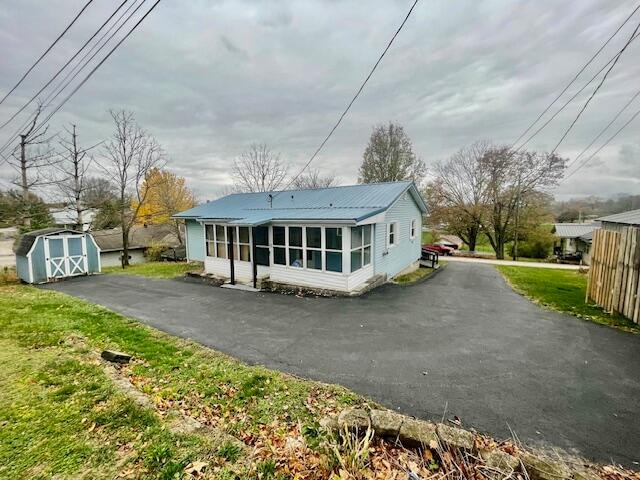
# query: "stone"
{"type": "Point", "coordinates": [584, 474]}
{"type": "Point", "coordinates": [330, 423]}
{"type": "Point", "coordinates": [115, 357]}
{"type": "Point", "coordinates": [455, 437]}
{"type": "Point", "coordinates": [542, 468]}
{"type": "Point", "coordinates": [386, 423]}
{"type": "Point", "coordinates": [354, 419]}
{"type": "Point", "coordinates": [500, 460]}
{"type": "Point", "coordinates": [418, 433]}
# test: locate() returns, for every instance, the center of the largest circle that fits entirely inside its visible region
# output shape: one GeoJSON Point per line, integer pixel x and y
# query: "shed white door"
{"type": "Point", "coordinates": [66, 255]}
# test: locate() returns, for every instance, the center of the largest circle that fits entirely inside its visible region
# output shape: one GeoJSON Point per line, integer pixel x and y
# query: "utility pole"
{"type": "Point", "coordinates": [77, 187]}
{"type": "Point", "coordinates": [23, 181]}
{"type": "Point", "coordinates": [515, 240]}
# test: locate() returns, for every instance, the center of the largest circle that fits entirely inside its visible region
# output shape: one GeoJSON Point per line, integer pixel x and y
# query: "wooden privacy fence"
{"type": "Point", "coordinates": [614, 276]}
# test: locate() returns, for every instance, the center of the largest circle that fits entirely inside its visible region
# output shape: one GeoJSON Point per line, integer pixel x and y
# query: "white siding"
{"type": "Point", "coordinates": [243, 270]}
{"type": "Point", "coordinates": [112, 259]}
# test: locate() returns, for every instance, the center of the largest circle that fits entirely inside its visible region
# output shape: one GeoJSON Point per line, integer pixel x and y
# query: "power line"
{"type": "Point", "coordinates": [588, 159]}
{"type": "Point", "coordinates": [46, 51]}
{"type": "Point", "coordinates": [346, 110]}
{"type": "Point", "coordinates": [63, 84]}
{"type": "Point", "coordinates": [576, 76]}
{"type": "Point", "coordinates": [616, 116]}
{"type": "Point", "coordinates": [573, 97]}
{"type": "Point", "coordinates": [89, 75]}
{"type": "Point", "coordinates": [63, 67]}
{"type": "Point", "coordinates": [595, 91]}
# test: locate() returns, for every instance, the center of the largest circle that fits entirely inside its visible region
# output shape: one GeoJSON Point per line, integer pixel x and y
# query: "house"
{"type": "Point", "coordinates": [618, 221]}
{"type": "Point", "coordinates": [339, 238]}
{"type": "Point", "coordinates": [67, 218]}
{"type": "Point", "coordinates": [574, 239]}
{"type": "Point", "coordinates": [53, 253]}
{"type": "Point", "coordinates": [141, 237]}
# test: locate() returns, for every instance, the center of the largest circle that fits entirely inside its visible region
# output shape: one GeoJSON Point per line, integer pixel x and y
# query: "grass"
{"type": "Point", "coordinates": [156, 269]}
{"type": "Point", "coordinates": [562, 290]}
{"type": "Point", "coordinates": [414, 276]}
{"type": "Point", "coordinates": [61, 415]}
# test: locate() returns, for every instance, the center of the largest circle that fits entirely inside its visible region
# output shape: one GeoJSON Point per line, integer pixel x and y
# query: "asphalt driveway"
{"type": "Point", "coordinates": [462, 342]}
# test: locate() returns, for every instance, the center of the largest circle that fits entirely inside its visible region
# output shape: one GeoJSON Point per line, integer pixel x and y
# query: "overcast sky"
{"type": "Point", "coordinates": [208, 78]}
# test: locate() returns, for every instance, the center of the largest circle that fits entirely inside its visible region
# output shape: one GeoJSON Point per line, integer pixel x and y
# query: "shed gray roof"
{"type": "Point", "coordinates": [632, 217]}
{"type": "Point", "coordinates": [347, 203]}
{"type": "Point", "coordinates": [574, 230]}
{"type": "Point", "coordinates": [28, 239]}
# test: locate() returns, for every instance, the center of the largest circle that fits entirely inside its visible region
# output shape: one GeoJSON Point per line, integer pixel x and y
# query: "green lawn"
{"type": "Point", "coordinates": [562, 290]}
{"type": "Point", "coordinates": [156, 269]}
{"type": "Point", "coordinates": [61, 416]}
{"type": "Point", "coordinates": [414, 276]}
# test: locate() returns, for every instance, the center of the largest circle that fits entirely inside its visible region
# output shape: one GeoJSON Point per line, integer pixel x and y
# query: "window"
{"type": "Point", "coordinates": [279, 244]}
{"type": "Point", "coordinates": [210, 240]}
{"type": "Point", "coordinates": [333, 246]}
{"type": "Point", "coordinates": [314, 247]}
{"type": "Point", "coordinates": [243, 247]}
{"type": "Point", "coordinates": [393, 233]}
{"type": "Point", "coordinates": [261, 239]}
{"type": "Point", "coordinates": [413, 229]}
{"type": "Point", "coordinates": [295, 240]}
{"type": "Point", "coordinates": [221, 241]}
{"type": "Point", "coordinates": [360, 247]}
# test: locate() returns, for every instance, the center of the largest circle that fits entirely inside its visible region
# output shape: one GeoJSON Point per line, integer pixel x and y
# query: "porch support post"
{"type": "Point", "coordinates": [231, 265]}
{"type": "Point", "coordinates": [254, 265]}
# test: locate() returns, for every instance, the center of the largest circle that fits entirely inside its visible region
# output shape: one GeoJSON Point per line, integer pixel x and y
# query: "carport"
{"type": "Point", "coordinates": [53, 253]}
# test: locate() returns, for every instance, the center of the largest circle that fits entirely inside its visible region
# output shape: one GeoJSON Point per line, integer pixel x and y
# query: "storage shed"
{"type": "Point", "coordinates": [51, 253]}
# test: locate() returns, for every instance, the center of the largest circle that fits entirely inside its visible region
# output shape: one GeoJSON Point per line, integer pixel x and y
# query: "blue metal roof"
{"type": "Point", "coordinates": [347, 203]}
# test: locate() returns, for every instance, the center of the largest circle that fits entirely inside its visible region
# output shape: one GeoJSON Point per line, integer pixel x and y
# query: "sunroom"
{"type": "Point", "coordinates": [328, 256]}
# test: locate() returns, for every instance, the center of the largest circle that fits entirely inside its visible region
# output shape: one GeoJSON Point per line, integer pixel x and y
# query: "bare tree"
{"type": "Point", "coordinates": [389, 157]}
{"type": "Point", "coordinates": [72, 169]}
{"type": "Point", "coordinates": [456, 196]}
{"type": "Point", "coordinates": [510, 178]}
{"type": "Point", "coordinates": [313, 179]}
{"type": "Point", "coordinates": [30, 157]}
{"type": "Point", "coordinates": [129, 157]}
{"type": "Point", "coordinates": [258, 169]}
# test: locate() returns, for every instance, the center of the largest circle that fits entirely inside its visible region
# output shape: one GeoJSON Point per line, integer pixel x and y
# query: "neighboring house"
{"type": "Point", "coordinates": [53, 253]}
{"type": "Point", "coordinates": [141, 237]}
{"type": "Point", "coordinates": [67, 218]}
{"type": "Point", "coordinates": [574, 238]}
{"type": "Point", "coordinates": [337, 238]}
{"type": "Point", "coordinates": [618, 221]}
{"type": "Point", "coordinates": [451, 241]}
{"type": "Point", "coordinates": [8, 236]}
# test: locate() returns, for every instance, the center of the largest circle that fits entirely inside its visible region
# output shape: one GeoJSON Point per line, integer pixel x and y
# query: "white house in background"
{"type": "Point", "coordinates": [67, 218]}
{"type": "Point", "coordinates": [575, 238]}
{"type": "Point", "coordinates": [337, 238]}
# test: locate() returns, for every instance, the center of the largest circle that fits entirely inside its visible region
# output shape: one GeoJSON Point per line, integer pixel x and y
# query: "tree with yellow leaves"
{"type": "Point", "coordinates": [165, 194]}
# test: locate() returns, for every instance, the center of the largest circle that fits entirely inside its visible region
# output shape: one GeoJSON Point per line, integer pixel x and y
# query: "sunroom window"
{"type": "Point", "coordinates": [243, 248]}
{"type": "Point", "coordinates": [333, 247]}
{"type": "Point", "coordinates": [279, 246]}
{"type": "Point", "coordinates": [360, 247]}
{"type": "Point", "coordinates": [261, 239]}
{"type": "Point", "coordinates": [221, 241]}
{"type": "Point", "coordinates": [314, 247]}
{"type": "Point", "coordinates": [295, 246]}
{"type": "Point", "coordinates": [210, 240]}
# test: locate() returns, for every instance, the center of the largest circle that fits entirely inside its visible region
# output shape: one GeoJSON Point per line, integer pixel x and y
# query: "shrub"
{"type": "Point", "coordinates": [154, 251]}
{"type": "Point", "coordinates": [538, 243]}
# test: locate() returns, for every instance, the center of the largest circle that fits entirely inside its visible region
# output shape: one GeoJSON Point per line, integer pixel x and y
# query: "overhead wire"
{"type": "Point", "coordinates": [46, 51]}
{"type": "Point", "coordinates": [357, 94]}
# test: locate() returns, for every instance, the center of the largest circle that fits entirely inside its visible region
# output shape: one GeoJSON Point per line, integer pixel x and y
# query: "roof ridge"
{"type": "Point", "coordinates": [266, 192]}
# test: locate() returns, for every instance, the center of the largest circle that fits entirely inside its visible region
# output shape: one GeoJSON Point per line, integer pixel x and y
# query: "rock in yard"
{"type": "Point", "coordinates": [354, 419]}
{"type": "Point", "coordinates": [115, 357]}
{"type": "Point", "coordinates": [499, 460]}
{"type": "Point", "coordinates": [418, 433]}
{"type": "Point", "coordinates": [386, 423]}
{"type": "Point", "coordinates": [541, 468]}
{"type": "Point", "coordinates": [455, 437]}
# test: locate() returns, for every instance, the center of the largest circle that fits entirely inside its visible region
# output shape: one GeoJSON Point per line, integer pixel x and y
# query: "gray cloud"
{"type": "Point", "coordinates": [209, 78]}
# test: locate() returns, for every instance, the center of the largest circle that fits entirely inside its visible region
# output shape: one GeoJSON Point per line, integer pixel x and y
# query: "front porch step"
{"type": "Point", "coordinates": [240, 286]}
{"type": "Point", "coordinates": [370, 284]}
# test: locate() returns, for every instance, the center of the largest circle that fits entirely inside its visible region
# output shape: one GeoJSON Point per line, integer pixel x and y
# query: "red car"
{"type": "Point", "coordinates": [439, 249]}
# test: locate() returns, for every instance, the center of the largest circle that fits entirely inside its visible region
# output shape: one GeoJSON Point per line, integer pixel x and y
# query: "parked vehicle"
{"type": "Point", "coordinates": [439, 249]}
